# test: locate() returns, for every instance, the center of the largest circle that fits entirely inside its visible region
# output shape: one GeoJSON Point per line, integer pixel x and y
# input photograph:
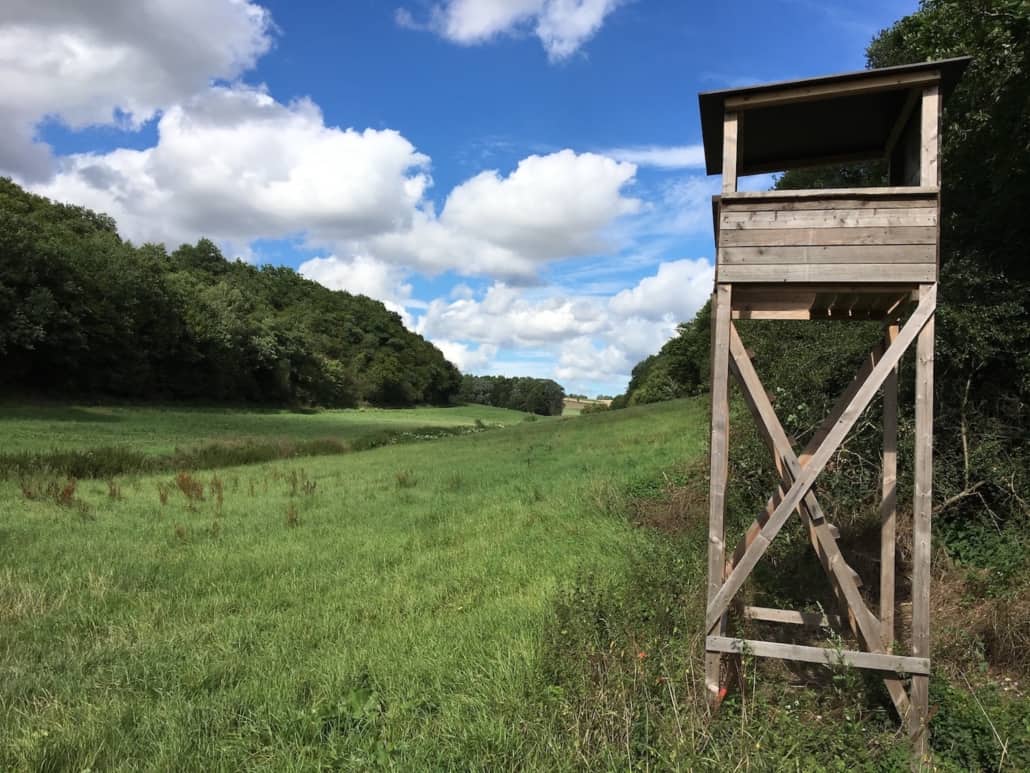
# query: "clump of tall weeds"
{"type": "Point", "coordinates": [190, 487]}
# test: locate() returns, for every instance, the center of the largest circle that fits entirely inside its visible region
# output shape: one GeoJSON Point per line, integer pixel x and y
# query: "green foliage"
{"type": "Point", "coordinates": [540, 396]}
{"type": "Point", "coordinates": [978, 731]}
{"type": "Point", "coordinates": [82, 312]}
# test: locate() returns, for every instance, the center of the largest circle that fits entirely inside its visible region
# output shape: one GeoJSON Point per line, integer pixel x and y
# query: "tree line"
{"type": "Point", "coordinates": [83, 312]}
{"type": "Point", "coordinates": [541, 396]}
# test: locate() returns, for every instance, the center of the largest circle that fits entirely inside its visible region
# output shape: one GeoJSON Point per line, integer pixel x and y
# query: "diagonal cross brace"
{"type": "Point", "coordinates": [812, 446]}
{"type": "Point", "coordinates": [721, 601]}
{"type": "Point", "coordinates": [863, 621]}
{"type": "Point", "coordinates": [791, 470]}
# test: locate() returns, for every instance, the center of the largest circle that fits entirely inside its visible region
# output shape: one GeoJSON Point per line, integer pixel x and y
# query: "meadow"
{"type": "Point", "coordinates": [379, 607]}
{"type": "Point", "coordinates": [524, 598]}
{"type": "Point", "coordinates": [162, 429]}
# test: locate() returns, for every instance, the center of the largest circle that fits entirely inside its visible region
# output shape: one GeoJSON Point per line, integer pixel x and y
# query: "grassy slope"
{"type": "Point", "coordinates": [401, 621]}
{"type": "Point", "coordinates": [157, 430]}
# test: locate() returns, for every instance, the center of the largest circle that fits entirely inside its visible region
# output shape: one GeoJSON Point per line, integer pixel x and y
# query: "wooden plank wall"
{"type": "Point", "coordinates": [861, 239]}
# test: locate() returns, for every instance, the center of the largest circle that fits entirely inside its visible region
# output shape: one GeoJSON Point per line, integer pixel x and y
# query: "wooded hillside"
{"type": "Point", "coordinates": [83, 312]}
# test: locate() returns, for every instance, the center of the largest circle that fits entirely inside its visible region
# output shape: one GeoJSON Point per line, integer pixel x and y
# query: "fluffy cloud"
{"type": "Point", "coordinates": [113, 62]}
{"type": "Point", "coordinates": [562, 26]}
{"type": "Point", "coordinates": [235, 165]}
{"type": "Point", "coordinates": [587, 339]}
{"type": "Point", "coordinates": [506, 317]}
{"type": "Point", "coordinates": [550, 206]}
{"type": "Point", "coordinates": [554, 206]}
{"type": "Point", "coordinates": [679, 289]}
{"type": "Point", "coordinates": [468, 359]}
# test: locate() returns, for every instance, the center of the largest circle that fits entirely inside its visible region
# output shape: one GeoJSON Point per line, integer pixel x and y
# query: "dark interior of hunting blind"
{"type": "Point", "coordinates": [842, 254]}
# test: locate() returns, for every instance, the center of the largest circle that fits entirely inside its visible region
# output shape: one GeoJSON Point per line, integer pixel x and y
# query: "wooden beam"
{"type": "Point", "coordinates": [792, 617]}
{"type": "Point", "coordinates": [796, 94]}
{"type": "Point", "coordinates": [790, 467]}
{"type": "Point", "coordinates": [908, 191]}
{"type": "Point", "coordinates": [822, 272]}
{"type": "Point", "coordinates": [722, 302]}
{"type": "Point", "coordinates": [922, 507]}
{"type": "Point", "coordinates": [900, 664]}
{"type": "Point", "coordinates": [719, 604]}
{"type": "Point", "coordinates": [730, 152]}
{"type": "Point", "coordinates": [929, 148]}
{"type": "Point", "coordinates": [889, 498]}
{"type": "Point", "coordinates": [813, 445]}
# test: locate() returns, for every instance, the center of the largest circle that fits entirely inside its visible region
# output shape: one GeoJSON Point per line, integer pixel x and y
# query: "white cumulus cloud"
{"type": "Point", "coordinates": [112, 62]}
{"type": "Point", "coordinates": [555, 206]}
{"type": "Point", "coordinates": [679, 289]}
{"type": "Point", "coordinates": [236, 165]}
{"type": "Point", "coordinates": [562, 26]}
{"type": "Point", "coordinates": [585, 339]}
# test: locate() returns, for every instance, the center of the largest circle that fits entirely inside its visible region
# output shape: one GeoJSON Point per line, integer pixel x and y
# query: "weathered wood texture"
{"type": "Point", "coordinates": [792, 617]}
{"type": "Point", "coordinates": [830, 657]}
{"type": "Point", "coordinates": [889, 498]}
{"type": "Point", "coordinates": [921, 514]}
{"type": "Point", "coordinates": [842, 237]}
{"type": "Point", "coordinates": [721, 302]}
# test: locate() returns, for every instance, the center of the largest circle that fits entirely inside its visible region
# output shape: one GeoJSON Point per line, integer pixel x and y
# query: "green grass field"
{"type": "Point", "coordinates": [387, 607]}
{"type": "Point", "coordinates": [158, 430]}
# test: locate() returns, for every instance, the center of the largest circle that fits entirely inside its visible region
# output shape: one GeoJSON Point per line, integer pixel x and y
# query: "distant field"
{"type": "Point", "coordinates": [159, 430]}
{"type": "Point", "coordinates": [381, 609]}
{"type": "Point", "coordinates": [574, 406]}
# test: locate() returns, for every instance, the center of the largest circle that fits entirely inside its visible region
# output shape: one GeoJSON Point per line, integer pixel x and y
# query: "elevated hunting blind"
{"type": "Point", "coordinates": [830, 254]}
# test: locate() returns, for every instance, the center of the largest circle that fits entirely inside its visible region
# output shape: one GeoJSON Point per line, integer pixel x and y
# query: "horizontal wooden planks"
{"type": "Point", "coordinates": [885, 237]}
{"type": "Point", "coordinates": [792, 617]}
{"type": "Point", "coordinates": [828, 272]}
{"type": "Point", "coordinates": [822, 253]}
{"type": "Point", "coordinates": [764, 649]}
{"type": "Point", "coordinates": [845, 236]}
{"type": "Point", "coordinates": [867, 217]}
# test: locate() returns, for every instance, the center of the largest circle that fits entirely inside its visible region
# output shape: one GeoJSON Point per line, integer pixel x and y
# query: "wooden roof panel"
{"type": "Point", "coordinates": [818, 120]}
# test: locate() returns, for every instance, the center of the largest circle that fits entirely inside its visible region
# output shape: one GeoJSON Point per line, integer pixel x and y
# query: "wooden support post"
{"type": "Point", "coordinates": [929, 150]}
{"type": "Point", "coordinates": [921, 512]}
{"type": "Point", "coordinates": [730, 151]}
{"type": "Point", "coordinates": [889, 499]}
{"type": "Point", "coordinates": [719, 472]}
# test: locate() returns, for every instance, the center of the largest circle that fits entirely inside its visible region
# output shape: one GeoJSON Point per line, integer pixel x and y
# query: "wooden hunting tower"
{"type": "Point", "coordinates": [830, 254]}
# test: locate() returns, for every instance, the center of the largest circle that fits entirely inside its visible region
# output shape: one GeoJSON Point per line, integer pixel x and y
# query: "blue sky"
{"type": "Point", "coordinates": [519, 179]}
